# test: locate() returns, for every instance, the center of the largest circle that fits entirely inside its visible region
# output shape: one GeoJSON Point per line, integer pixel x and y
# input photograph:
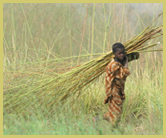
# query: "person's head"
{"type": "Point", "coordinates": [119, 51]}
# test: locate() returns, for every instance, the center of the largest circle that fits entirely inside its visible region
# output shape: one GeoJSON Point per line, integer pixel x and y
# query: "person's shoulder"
{"type": "Point", "coordinates": [113, 65]}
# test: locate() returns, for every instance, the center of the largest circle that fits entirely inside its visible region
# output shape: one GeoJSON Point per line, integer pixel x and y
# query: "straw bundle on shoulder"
{"type": "Point", "coordinates": [52, 91]}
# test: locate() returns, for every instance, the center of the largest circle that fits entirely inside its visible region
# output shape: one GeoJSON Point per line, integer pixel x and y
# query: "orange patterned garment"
{"type": "Point", "coordinates": [116, 75]}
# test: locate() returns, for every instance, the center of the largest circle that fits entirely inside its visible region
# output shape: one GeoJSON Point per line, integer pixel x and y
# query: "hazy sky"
{"type": "Point", "coordinates": [147, 7]}
{"type": "Point", "coordinates": [138, 7]}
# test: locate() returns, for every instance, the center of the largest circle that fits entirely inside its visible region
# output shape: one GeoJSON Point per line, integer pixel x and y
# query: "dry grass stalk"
{"type": "Point", "coordinates": [50, 92]}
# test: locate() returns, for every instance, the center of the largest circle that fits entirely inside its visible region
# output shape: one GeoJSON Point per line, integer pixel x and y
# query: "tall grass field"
{"type": "Point", "coordinates": [43, 41]}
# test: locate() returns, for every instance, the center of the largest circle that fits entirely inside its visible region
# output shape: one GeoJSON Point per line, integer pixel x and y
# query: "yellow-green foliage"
{"type": "Point", "coordinates": [50, 91]}
{"type": "Point", "coordinates": [54, 57]}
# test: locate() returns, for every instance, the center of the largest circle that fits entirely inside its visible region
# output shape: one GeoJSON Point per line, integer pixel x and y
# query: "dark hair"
{"type": "Point", "coordinates": [117, 46]}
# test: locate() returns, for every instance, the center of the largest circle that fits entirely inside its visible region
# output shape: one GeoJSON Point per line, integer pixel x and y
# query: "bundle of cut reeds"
{"type": "Point", "coordinates": [48, 93]}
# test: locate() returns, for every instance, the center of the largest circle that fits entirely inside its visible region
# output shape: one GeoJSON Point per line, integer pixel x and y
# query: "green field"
{"type": "Point", "coordinates": [41, 41]}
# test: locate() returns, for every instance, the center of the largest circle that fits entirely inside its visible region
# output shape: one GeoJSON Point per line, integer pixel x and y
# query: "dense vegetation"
{"type": "Point", "coordinates": [41, 41]}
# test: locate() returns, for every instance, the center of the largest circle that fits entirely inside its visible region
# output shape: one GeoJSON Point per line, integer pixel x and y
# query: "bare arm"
{"type": "Point", "coordinates": [126, 62]}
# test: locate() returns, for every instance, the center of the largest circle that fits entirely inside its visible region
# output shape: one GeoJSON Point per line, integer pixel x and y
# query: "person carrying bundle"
{"type": "Point", "coordinates": [116, 74]}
